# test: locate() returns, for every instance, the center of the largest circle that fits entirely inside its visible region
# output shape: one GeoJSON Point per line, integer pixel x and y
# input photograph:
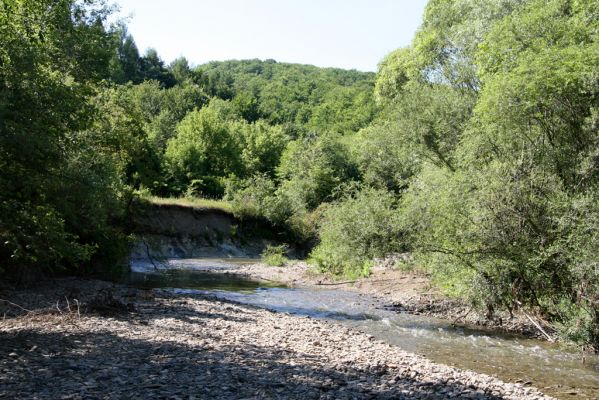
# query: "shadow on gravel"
{"type": "Point", "coordinates": [91, 365]}
{"type": "Point", "coordinates": [183, 312]}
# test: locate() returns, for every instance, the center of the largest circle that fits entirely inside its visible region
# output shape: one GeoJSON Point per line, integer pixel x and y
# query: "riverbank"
{"type": "Point", "coordinates": [118, 342]}
{"type": "Point", "coordinates": [402, 291]}
{"type": "Point", "coordinates": [176, 228]}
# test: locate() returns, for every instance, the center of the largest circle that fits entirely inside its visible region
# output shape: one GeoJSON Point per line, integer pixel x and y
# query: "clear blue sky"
{"type": "Point", "coordinates": [328, 33]}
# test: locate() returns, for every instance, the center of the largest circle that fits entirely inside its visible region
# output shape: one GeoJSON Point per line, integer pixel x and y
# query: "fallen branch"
{"type": "Point", "coordinates": [348, 282]}
{"type": "Point", "coordinates": [461, 316]}
{"type": "Point", "coordinates": [539, 327]}
{"type": "Point", "coordinates": [549, 338]}
{"type": "Point", "coordinates": [263, 279]}
{"type": "Point", "coordinates": [149, 255]}
{"type": "Point", "coordinates": [335, 284]}
{"type": "Point", "coordinates": [16, 305]}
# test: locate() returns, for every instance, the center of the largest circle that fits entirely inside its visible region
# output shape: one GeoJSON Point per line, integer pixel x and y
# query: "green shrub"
{"type": "Point", "coordinates": [275, 255]}
{"type": "Point", "coordinates": [256, 197]}
{"type": "Point", "coordinates": [354, 230]}
{"type": "Point", "coordinates": [311, 170]}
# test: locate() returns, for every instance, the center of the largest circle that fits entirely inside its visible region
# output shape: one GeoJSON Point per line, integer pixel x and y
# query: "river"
{"type": "Point", "coordinates": [555, 370]}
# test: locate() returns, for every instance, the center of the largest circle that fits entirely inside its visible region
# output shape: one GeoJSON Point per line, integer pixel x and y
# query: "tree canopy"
{"type": "Point", "coordinates": [475, 148]}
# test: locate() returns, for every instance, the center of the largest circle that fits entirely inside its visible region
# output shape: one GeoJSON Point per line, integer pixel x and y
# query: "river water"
{"type": "Point", "coordinates": [555, 370]}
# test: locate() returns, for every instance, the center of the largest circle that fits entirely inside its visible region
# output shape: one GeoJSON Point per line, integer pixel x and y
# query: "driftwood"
{"type": "Point", "coordinates": [535, 323]}
{"type": "Point", "coordinates": [16, 305]}
{"type": "Point", "coordinates": [455, 321]}
{"type": "Point", "coordinates": [539, 327]}
{"type": "Point", "coordinates": [348, 282]}
{"type": "Point", "coordinates": [336, 283]}
{"type": "Point", "coordinates": [262, 279]}
{"type": "Point", "coordinates": [149, 255]}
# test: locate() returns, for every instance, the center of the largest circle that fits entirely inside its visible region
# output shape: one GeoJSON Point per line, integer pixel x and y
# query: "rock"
{"type": "Point", "coordinates": [199, 347]}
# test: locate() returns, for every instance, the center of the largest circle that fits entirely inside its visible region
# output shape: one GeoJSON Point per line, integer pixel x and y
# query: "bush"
{"type": "Point", "coordinates": [203, 147]}
{"type": "Point", "coordinates": [310, 171]}
{"type": "Point", "coordinates": [257, 197]}
{"type": "Point", "coordinates": [354, 230]}
{"type": "Point", "coordinates": [274, 255]}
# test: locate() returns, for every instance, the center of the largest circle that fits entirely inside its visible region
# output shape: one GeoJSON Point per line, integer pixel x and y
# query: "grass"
{"type": "Point", "coordinates": [195, 202]}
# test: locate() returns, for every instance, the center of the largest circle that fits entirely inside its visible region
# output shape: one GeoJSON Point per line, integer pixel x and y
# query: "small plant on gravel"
{"type": "Point", "coordinates": [274, 255]}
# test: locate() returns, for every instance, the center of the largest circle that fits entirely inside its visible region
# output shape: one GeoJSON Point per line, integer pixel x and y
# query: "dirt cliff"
{"type": "Point", "coordinates": [167, 231]}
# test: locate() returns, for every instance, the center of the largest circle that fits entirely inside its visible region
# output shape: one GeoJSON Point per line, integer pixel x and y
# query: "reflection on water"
{"type": "Point", "coordinates": [554, 370]}
{"type": "Point", "coordinates": [196, 274]}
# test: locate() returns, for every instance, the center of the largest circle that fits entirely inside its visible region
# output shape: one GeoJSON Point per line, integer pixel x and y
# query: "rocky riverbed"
{"type": "Point", "coordinates": [87, 339]}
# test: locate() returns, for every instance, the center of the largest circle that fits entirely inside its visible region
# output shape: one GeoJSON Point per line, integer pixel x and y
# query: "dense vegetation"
{"type": "Point", "coordinates": [475, 148]}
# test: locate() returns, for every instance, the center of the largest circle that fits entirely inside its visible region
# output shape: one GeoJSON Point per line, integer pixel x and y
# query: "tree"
{"type": "Point", "coordinates": [261, 147]}
{"type": "Point", "coordinates": [180, 70]}
{"type": "Point", "coordinates": [54, 170]}
{"type": "Point", "coordinates": [383, 157]}
{"type": "Point", "coordinates": [126, 63]}
{"type": "Point", "coordinates": [506, 226]}
{"type": "Point", "coordinates": [120, 126]}
{"type": "Point", "coordinates": [152, 68]}
{"type": "Point", "coordinates": [203, 149]}
{"type": "Point", "coordinates": [311, 169]}
{"type": "Point", "coordinates": [360, 226]}
{"type": "Point", "coordinates": [394, 71]}
{"type": "Point", "coordinates": [446, 42]}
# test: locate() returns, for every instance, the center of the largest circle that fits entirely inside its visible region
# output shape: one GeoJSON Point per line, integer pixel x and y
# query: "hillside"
{"type": "Point", "coordinates": [320, 99]}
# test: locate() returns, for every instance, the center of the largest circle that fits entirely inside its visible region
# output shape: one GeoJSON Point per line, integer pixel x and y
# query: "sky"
{"type": "Point", "coordinates": [350, 34]}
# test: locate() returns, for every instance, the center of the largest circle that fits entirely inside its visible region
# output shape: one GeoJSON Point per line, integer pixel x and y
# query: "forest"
{"type": "Point", "coordinates": [475, 149]}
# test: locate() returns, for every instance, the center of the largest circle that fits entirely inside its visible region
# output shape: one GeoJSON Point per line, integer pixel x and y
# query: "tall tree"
{"type": "Point", "coordinates": [58, 189]}
{"type": "Point", "coordinates": [180, 69]}
{"type": "Point", "coordinates": [152, 68]}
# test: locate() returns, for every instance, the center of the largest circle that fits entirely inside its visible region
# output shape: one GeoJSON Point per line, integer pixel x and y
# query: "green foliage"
{"type": "Point", "coordinates": [323, 99]}
{"type": "Point", "coordinates": [382, 156]}
{"type": "Point", "coordinates": [247, 105]}
{"type": "Point", "coordinates": [161, 110]}
{"type": "Point", "coordinates": [431, 120]}
{"type": "Point", "coordinates": [59, 189]}
{"type": "Point", "coordinates": [120, 126]}
{"type": "Point", "coordinates": [343, 110]}
{"type": "Point", "coordinates": [180, 70]}
{"type": "Point", "coordinates": [274, 255]}
{"type": "Point", "coordinates": [504, 224]}
{"type": "Point", "coordinates": [446, 42]}
{"type": "Point", "coordinates": [354, 230]}
{"type": "Point", "coordinates": [311, 169]}
{"type": "Point", "coordinates": [393, 73]}
{"type": "Point", "coordinates": [152, 68]}
{"type": "Point", "coordinates": [262, 145]}
{"type": "Point", "coordinates": [257, 197]}
{"type": "Point", "coordinates": [125, 63]}
{"type": "Point", "coordinates": [203, 151]}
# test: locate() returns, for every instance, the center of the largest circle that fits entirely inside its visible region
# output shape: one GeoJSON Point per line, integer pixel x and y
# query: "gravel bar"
{"type": "Point", "coordinates": [197, 347]}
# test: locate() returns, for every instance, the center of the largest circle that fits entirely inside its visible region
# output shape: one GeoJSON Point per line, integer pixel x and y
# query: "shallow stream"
{"type": "Point", "coordinates": [556, 371]}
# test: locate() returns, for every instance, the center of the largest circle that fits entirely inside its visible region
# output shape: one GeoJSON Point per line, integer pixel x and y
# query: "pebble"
{"type": "Point", "coordinates": [186, 347]}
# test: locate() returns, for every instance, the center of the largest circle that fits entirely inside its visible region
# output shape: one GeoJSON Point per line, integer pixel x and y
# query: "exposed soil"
{"type": "Point", "coordinates": [73, 339]}
{"type": "Point", "coordinates": [180, 231]}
